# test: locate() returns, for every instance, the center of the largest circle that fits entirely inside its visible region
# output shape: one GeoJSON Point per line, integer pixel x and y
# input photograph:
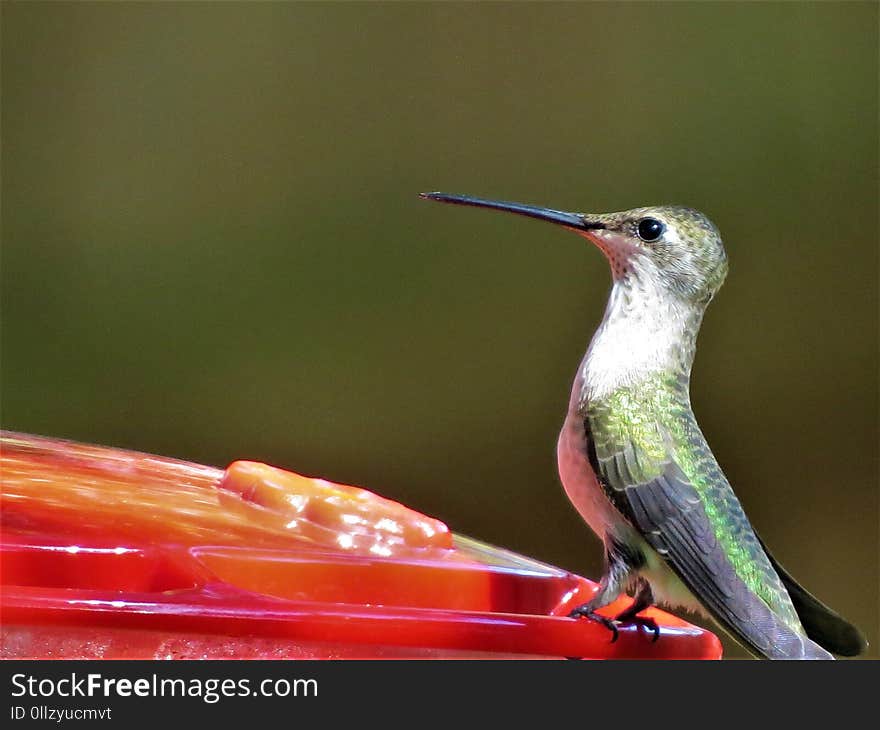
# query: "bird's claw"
{"type": "Point", "coordinates": [624, 619]}
{"type": "Point", "coordinates": [642, 622]}
{"type": "Point", "coordinates": [608, 623]}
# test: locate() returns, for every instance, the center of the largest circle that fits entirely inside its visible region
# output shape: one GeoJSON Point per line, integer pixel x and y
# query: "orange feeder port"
{"type": "Point", "coordinates": [114, 554]}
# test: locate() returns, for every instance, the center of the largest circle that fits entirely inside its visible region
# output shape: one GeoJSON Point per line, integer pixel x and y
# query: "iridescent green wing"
{"type": "Point", "coordinates": [661, 475]}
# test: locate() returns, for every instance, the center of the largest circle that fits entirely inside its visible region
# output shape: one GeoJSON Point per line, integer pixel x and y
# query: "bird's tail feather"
{"type": "Point", "coordinates": [821, 624]}
{"type": "Point", "coordinates": [766, 635]}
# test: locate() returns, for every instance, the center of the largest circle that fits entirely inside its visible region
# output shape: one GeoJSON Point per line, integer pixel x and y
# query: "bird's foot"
{"type": "Point", "coordinates": [587, 612]}
{"type": "Point", "coordinates": [627, 618]}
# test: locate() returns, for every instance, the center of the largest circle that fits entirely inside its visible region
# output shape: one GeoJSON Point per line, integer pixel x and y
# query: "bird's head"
{"type": "Point", "coordinates": [676, 249]}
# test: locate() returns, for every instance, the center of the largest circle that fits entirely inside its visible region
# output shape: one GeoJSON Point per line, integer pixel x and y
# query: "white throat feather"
{"type": "Point", "coordinates": [646, 330]}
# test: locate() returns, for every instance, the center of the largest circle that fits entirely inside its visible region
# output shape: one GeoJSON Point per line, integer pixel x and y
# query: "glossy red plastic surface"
{"type": "Point", "coordinates": [115, 554]}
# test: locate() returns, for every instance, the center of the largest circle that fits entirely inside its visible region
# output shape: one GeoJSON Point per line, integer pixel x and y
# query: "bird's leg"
{"type": "Point", "coordinates": [610, 587]}
{"type": "Point", "coordinates": [588, 610]}
{"type": "Point", "coordinates": [643, 599]}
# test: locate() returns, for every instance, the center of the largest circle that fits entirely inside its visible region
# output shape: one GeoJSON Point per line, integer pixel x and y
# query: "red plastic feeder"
{"type": "Point", "coordinates": [115, 554]}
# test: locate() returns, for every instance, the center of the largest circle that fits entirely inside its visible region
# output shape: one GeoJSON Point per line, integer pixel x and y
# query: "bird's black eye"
{"type": "Point", "coordinates": [650, 229]}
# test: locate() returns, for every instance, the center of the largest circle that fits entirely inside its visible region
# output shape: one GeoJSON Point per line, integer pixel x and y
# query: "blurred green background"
{"type": "Point", "coordinates": [212, 246]}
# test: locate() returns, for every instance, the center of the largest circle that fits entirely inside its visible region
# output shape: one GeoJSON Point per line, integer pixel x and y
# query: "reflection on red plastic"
{"type": "Point", "coordinates": [114, 554]}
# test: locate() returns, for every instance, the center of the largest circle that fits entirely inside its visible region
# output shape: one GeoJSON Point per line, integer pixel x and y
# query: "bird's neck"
{"type": "Point", "coordinates": [646, 332]}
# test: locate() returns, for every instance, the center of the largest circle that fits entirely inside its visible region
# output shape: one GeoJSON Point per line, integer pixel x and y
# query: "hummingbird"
{"type": "Point", "coordinates": [634, 462]}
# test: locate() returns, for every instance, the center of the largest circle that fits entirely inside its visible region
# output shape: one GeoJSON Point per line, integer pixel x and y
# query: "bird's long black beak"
{"type": "Point", "coordinates": [569, 220]}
